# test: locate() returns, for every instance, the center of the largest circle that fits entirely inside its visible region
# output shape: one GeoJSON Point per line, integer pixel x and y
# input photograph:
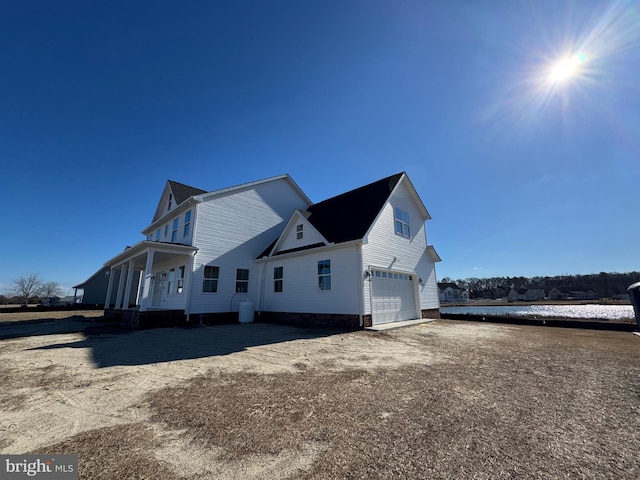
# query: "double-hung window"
{"type": "Point", "coordinates": [187, 223]}
{"type": "Point", "coordinates": [299, 232]}
{"type": "Point", "coordinates": [278, 277]}
{"type": "Point", "coordinates": [324, 275]}
{"type": "Point", "coordinates": [242, 280]}
{"type": "Point", "coordinates": [174, 231]}
{"type": "Point", "coordinates": [157, 235]}
{"type": "Point", "coordinates": [172, 281]}
{"type": "Point", "coordinates": [180, 279]}
{"type": "Point", "coordinates": [402, 223]}
{"type": "Point", "coordinates": [210, 280]}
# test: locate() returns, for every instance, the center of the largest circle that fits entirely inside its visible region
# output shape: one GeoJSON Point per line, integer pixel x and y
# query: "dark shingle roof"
{"type": "Point", "coordinates": [182, 192]}
{"type": "Point", "coordinates": [348, 216]}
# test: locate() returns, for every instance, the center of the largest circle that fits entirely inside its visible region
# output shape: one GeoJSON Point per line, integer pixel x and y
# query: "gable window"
{"type": "Point", "coordinates": [187, 223]}
{"type": "Point", "coordinates": [172, 280]}
{"type": "Point", "coordinates": [210, 281]}
{"type": "Point", "coordinates": [174, 231]}
{"type": "Point", "coordinates": [299, 232]}
{"type": "Point", "coordinates": [324, 275]}
{"type": "Point", "coordinates": [402, 222]}
{"type": "Point", "coordinates": [242, 280]}
{"type": "Point", "coordinates": [170, 201]}
{"type": "Point", "coordinates": [180, 279]}
{"type": "Point", "coordinates": [278, 276]}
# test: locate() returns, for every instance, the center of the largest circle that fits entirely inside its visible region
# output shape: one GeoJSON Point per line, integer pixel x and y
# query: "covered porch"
{"type": "Point", "coordinates": [149, 276]}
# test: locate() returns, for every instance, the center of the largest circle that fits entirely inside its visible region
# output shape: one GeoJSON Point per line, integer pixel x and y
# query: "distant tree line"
{"type": "Point", "coordinates": [30, 289]}
{"type": "Point", "coordinates": [605, 285]}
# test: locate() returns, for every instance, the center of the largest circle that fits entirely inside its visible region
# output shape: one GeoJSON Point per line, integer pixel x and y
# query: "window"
{"type": "Point", "coordinates": [170, 200]}
{"type": "Point", "coordinates": [166, 231]}
{"type": "Point", "coordinates": [242, 280]}
{"type": "Point", "coordinates": [187, 223]}
{"type": "Point", "coordinates": [174, 231]}
{"type": "Point", "coordinates": [278, 275]}
{"type": "Point", "coordinates": [402, 223]}
{"type": "Point", "coordinates": [210, 282]}
{"type": "Point", "coordinates": [299, 232]}
{"type": "Point", "coordinates": [324, 275]}
{"type": "Point", "coordinates": [157, 235]}
{"type": "Point", "coordinates": [172, 280]}
{"type": "Point", "coordinates": [180, 279]}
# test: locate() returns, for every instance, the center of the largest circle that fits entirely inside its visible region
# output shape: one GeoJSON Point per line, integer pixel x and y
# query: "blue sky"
{"type": "Point", "coordinates": [102, 102]}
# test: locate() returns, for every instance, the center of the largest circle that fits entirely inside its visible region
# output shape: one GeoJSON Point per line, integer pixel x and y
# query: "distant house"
{"type": "Point", "coordinates": [525, 294]}
{"type": "Point", "coordinates": [580, 295]}
{"type": "Point", "coordinates": [450, 292]}
{"type": "Point", "coordinates": [93, 291]}
{"type": "Point", "coordinates": [353, 260]}
{"type": "Point", "coordinates": [555, 294]}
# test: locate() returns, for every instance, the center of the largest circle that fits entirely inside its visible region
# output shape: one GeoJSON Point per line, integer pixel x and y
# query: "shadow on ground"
{"type": "Point", "coordinates": [112, 345]}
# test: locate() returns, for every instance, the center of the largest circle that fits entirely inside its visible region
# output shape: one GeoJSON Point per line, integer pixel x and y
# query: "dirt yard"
{"type": "Point", "coordinates": [441, 400]}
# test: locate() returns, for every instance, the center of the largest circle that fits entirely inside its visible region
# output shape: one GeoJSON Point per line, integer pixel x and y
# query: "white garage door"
{"type": "Point", "coordinates": [393, 297]}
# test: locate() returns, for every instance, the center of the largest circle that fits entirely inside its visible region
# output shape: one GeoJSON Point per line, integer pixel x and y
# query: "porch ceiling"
{"type": "Point", "coordinates": [161, 251]}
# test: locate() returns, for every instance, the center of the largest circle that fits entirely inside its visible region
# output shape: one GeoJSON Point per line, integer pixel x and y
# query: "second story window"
{"type": "Point", "coordinates": [166, 232]}
{"type": "Point", "coordinates": [174, 231]}
{"type": "Point", "coordinates": [299, 232]}
{"type": "Point", "coordinates": [402, 222]}
{"type": "Point", "coordinates": [187, 223]}
{"type": "Point", "coordinates": [242, 280]}
{"type": "Point", "coordinates": [157, 235]}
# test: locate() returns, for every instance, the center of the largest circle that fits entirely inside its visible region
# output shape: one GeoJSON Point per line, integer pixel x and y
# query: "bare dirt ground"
{"type": "Point", "coordinates": [441, 400]}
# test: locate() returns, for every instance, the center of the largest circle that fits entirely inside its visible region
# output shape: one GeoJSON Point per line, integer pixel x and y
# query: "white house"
{"type": "Point", "coordinates": [354, 260]}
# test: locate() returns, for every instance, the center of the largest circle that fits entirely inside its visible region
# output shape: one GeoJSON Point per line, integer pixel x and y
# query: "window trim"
{"type": "Point", "coordinates": [214, 280]}
{"type": "Point", "coordinates": [187, 224]}
{"type": "Point", "coordinates": [401, 222]}
{"type": "Point", "coordinates": [278, 279]}
{"type": "Point", "coordinates": [242, 284]}
{"type": "Point", "coordinates": [323, 276]}
{"type": "Point", "coordinates": [171, 281]}
{"type": "Point", "coordinates": [180, 280]}
{"type": "Point", "coordinates": [174, 230]}
{"type": "Point", "coordinates": [299, 231]}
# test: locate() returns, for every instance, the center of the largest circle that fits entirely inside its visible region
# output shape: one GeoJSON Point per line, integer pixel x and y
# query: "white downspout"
{"type": "Point", "coordinates": [360, 283]}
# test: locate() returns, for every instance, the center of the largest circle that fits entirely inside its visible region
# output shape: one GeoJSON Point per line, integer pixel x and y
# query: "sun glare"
{"type": "Point", "coordinates": [566, 68]}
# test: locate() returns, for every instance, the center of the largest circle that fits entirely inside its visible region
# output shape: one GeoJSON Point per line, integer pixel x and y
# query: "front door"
{"type": "Point", "coordinates": [161, 278]}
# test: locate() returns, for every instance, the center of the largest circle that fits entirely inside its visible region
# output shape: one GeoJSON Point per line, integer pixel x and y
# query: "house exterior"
{"type": "Point", "coordinates": [451, 292]}
{"type": "Point", "coordinates": [94, 289]}
{"type": "Point", "coordinates": [526, 294]}
{"type": "Point", "coordinates": [354, 260]}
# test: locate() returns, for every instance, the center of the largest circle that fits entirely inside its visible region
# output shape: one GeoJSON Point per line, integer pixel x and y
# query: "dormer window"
{"type": "Point", "coordinates": [170, 201]}
{"type": "Point", "coordinates": [299, 232]}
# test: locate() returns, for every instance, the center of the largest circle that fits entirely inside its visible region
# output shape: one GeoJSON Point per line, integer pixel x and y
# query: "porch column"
{"type": "Point", "coordinates": [127, 288]}
{"type": "Point", "coordinates": [123, 272]}
{"type": "Point", "coordinates": [107, 301]}
{"type": "Point", "coordinates": [147, 293]}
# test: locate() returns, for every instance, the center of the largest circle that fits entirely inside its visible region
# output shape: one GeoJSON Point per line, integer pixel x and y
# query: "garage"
{"type": "Point", "coordinates": [393, 297]}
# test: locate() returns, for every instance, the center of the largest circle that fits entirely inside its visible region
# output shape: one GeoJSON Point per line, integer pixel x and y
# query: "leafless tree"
{"type": "Point", "coordinates": [50, 289]}
{"type": "Point", "coordinates": [26, 287]}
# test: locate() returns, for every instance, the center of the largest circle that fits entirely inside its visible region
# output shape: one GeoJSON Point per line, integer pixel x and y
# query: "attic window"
{"type": "Point", "coordinates": [402, 223]}
{"type": "Point", "coordinates": [170, 200]}
{"type": "Point", "coordinates": [299, 232]}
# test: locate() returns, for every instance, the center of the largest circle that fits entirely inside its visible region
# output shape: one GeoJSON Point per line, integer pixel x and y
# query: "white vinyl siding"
{"type": "Point", "coordinates": [382, 245]}
{"type": "Point", "coordinates": [302, 294]}
{"type": "Point", "coordinates": [230, 231]}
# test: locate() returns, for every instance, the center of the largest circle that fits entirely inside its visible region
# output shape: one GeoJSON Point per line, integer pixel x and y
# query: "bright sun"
{"type": "Point", "coordinates": [566, 68]}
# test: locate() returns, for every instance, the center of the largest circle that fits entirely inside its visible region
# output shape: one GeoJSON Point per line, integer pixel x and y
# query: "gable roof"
{"type": "Point", "coordinates": [182, 192]}
{"type": "Point", "coordinates": [348, 216]}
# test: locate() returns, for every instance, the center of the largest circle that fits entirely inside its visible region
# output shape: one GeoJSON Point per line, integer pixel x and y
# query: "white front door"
{"type": "Point", "coordinates": [393, 297]}
{"type": "Point", "coordinates": [160, 280]}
